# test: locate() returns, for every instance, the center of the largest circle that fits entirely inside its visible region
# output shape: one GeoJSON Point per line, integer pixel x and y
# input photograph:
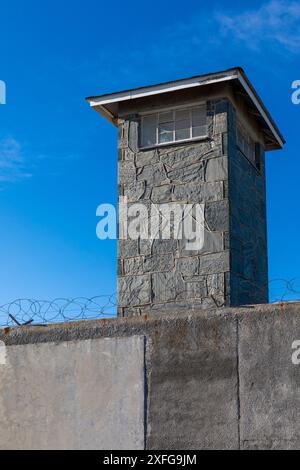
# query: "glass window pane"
{"type": "Point", "coordinates": [198, 116]}
{"type": "Point", "coordinates": [182, 115]}
{"type": "Point", "coordinates": [182, 134]}
{"type": "Point", "coordinates": [149, 136]}
{"type": "Point", "coordinates": [199, 131]}
{"type": "Point", "coordinates": [150, 120]}
{"type": "Point", "coordinates": [182, 130]}
{"type": "Point", "coordinates": [149, 130]}
{"type": "Point", "coordinates": [199, 127]}
{"type": "Point", "coordinates": [166, 117]}
{"type": "Point", "coordinates": [166, 132]}
{"type": "Point", "coordinates": [180, 124]}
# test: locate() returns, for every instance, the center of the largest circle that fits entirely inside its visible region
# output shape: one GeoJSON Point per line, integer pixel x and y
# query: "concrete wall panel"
{"type": "Point", "coordinates": [73, 395]}
{"type": "Point", "coordinates": [193, 393]}
{"type": "Point", "coordinates": [216, 379]}
{"type": "Point", "coordinates": [269, 381]}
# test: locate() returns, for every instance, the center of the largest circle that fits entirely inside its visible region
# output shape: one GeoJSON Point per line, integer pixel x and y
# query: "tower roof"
{"type": "Point", "coordinates": [107, 104]}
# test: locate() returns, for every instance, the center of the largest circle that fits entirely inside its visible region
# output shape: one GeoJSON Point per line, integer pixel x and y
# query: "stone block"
{"type": "Point", "coordinates": [162, 194]}
{"type": "Point", "coordinates": [127, 173]}
{"type": "Point", "coordinates": [217, 215]}
{"type": "Point", "coordinates": [153, 174]}
{"type": "Point", "coordinates": [198, 192]}
{"type": "Point", "coordinates": [193, 290]}
{"type": "Point", "coordinates": [187, 155]}
{"type": "Point", "coordinates": [128, 248]}
{"type": "Point", "coordinates": [145, 247]}
{"type": "Point", "coordinates": [166, 286]}
{"type": "Point", "coordinates": [188, 173]}
{"type": "Point", "coordinates": [215, 284]}
{"type": "Point", "coordinates": [134, 290]}
{"type": "Point", "coordinates": [135, 191]}
{"type": "Point", "coordinates": [213, 243]}
{"type": "Point", "coordinates": [133, 142]}
{"type": "Point", "coordinates": [213, 301]}
{"type": "Point", "coordinates": [164, 246]}
{"type": "Point", "coordinates": [215, 263]}
{"type": "Point", "coordinates": [123, 134]}
{"type": "Point", "coordinates": [216, 169]}
{"type": "Point", "coordinates": [189, 266]}
{"type": "Point", "coordinates": [146, 157]}
{"type": "Point", "coordinates": [128, 155]}
{"type": "Point", "coordinates": [133, 265]}
{"type": "Point", "coordinates": [159, 263]}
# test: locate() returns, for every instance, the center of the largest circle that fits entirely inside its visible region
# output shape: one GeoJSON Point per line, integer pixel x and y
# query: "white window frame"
{"type": "Point", "coordinates": [157, 112]}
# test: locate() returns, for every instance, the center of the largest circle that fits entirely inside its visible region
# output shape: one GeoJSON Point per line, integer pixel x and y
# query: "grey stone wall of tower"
{"type": "Point", "coordinates": [223, 171]}
{"type": "Point", "coordinates": [232, 266]}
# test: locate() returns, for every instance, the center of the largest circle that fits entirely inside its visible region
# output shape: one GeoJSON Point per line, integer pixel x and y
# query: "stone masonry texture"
{"type": "Point", "coordinates": [231, 268]}
{"type": "Point", "coordinates": [248, 224]}
{"type": "Point", "coordinates": [208, 379]}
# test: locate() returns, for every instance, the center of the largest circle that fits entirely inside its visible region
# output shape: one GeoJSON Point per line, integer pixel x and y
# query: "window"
{"type": "Point", "coordinates": [175, 125]}
{"type": "Point", "coordinates": [246, 144]}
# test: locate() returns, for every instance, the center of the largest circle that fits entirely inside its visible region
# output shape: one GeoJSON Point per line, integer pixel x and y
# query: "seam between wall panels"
{"type": "Point", "coordinates": [145, 394]}
{"type": "Point", "coordinates": [238, 384]}
{"type": "Point", "coordinates": [230, 155]}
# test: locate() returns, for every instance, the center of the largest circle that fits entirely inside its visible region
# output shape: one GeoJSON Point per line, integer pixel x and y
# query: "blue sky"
{"type": "Point", "coordinates": [58, 158]}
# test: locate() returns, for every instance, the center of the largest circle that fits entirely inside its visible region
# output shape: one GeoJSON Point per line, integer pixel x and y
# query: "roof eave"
{"type": "Point", "coordinates": [99, 102]}
{"type": "Point", "coordinates": [167, 87]}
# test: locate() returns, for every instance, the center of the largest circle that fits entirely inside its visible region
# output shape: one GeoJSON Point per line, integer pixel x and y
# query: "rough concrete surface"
{"type": "Point", "coordinates": [269, 381]}
{"type": "Point", "coordinates": [215, 379]}
{"type": "Point", "coordinates": [73, 395]}
{"type": "Point", "coordinates": [193, 385]}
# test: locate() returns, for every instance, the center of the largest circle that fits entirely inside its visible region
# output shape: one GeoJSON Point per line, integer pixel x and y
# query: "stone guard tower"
{"type": "Point", "coordinates": [200, 140]}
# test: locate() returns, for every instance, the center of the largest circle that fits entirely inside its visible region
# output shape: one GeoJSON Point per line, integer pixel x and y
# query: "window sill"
{"type": "Point", "coordinates": [177, 142]}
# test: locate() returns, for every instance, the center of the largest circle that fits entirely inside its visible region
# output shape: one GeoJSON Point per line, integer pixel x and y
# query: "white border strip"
{"type": "Point", "coordinates": [157, 89]}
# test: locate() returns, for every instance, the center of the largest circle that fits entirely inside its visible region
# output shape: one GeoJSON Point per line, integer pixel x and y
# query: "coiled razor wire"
{"type": "Point", "coordinates": [39, 312]}
{"type": "Point", "coordinates": [281, 290]}
{"type": "Point", "coordinates": [33, 312]}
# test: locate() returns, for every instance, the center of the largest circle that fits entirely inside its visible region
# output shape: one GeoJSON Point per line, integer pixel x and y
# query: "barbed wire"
{"type": "Point", "coordinates": [39, 312]}
{"type": "Point", "coordinates": [282, 290]}
{"type": "Point", "coordinates": [33, 312]}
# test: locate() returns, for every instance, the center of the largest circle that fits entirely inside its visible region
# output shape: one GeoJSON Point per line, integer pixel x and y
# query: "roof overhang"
{"type": "Point", "coordinates": [105, 104]}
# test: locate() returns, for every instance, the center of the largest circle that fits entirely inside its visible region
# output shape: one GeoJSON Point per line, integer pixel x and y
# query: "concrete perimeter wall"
{"type": "Point", "coordinates": [219, 379]}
